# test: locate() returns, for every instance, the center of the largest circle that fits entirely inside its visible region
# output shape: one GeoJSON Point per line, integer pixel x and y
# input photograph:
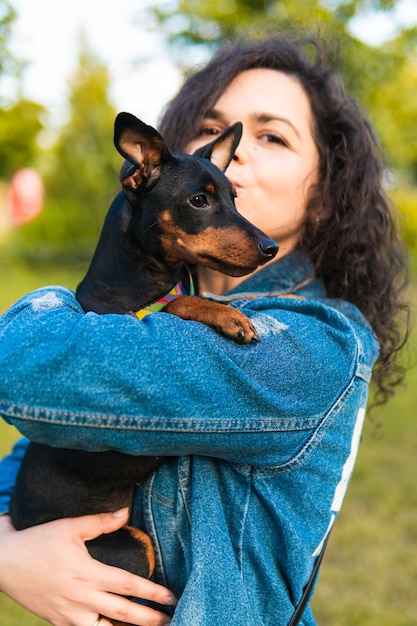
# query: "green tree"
{"type": "Point", "coordinates": [20, 125]}
{"type": "Point", "coordinates": [394, 107]}
{"type": "Point", "coordinates": [20, 120]}
{"type": "Point", "coordinates": [81, 170]}
{"type": "Point", "coordinates": [7, 17]}
{"type": "Point", "coordinates": [207, 22]}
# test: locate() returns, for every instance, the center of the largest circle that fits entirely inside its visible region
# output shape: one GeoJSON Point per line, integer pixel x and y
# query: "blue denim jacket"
{"type": "Point", "coordinates": [263, 437]}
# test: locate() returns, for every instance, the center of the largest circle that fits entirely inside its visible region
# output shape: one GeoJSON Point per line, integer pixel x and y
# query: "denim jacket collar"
{"type": "Point", "coordinates": [292, 274]}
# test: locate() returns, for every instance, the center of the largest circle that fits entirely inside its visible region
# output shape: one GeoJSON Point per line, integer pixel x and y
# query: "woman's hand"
{"type": "Point", "coordinates": [48, 570]}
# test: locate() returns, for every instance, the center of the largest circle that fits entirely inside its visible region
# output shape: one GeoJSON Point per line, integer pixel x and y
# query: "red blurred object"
{"type": "Point", "coordinates": [25, 197]}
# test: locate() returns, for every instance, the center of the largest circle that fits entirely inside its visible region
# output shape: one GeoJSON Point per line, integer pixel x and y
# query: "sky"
{"type": "Point", "coordinates": [46, 33]}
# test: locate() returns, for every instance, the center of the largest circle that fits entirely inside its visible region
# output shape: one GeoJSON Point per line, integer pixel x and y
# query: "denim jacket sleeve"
{"type": "Point", "coordinates": [166, 386]}
{"type": "Point", "coordinates": [9, 467]}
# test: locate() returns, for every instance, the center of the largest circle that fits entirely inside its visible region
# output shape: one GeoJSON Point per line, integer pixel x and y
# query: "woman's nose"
{"type": "Point", "coordinates": [241, 152]}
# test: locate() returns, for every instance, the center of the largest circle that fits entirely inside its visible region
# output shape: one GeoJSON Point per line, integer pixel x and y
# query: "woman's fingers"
{"type": "Point", "coordinates": [92, 526]}
{"type": "Point", "coordinates": [121, 609]}
{"type": "Point", "coordinates": [122, 583]}
{"type": "Point", "coordinates": [113, 579]}
{"type": "Point", "coordinates": [59, 580]}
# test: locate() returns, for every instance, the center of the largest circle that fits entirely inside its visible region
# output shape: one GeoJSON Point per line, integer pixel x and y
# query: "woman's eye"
{"type": "Point", "coordinates": [198, 202]}
{"type": "Point", "coordinates": [271, 138]}
{"type": "Point", "coordinates": [209, 132]}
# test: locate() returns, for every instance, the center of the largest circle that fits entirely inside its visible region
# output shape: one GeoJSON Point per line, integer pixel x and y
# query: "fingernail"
{"type": "Point", "coordinates": [121, 512]}
{"type": "Point", "coordinates": [170, 599]}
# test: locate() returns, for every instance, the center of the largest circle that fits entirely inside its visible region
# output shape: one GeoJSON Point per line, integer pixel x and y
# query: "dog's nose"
{"type": "Point", "coordinates": [268, 248]}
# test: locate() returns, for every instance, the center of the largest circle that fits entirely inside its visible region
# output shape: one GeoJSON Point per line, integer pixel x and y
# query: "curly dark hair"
{"type": "Point", "coordinates": [355, 245]}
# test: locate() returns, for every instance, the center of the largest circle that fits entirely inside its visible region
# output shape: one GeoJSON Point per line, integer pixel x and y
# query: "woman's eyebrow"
{"type": "Point", "coordinates": [271, 117]}
{"type": "Point", "coordinates": [213, 114]}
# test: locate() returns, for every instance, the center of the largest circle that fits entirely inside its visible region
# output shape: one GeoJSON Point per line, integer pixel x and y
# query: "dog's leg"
{"type": "Point", "coordinates": [128, 548]}
{"type": "Point", "coordinates": [226, 319]}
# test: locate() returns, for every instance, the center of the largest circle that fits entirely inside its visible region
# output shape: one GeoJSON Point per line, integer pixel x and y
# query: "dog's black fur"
{"type": "Point", "coordinates": [174, 209]}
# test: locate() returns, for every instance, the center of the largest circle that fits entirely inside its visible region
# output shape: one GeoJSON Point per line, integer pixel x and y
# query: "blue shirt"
{"type": "Point", "coordinates": [263, 437]}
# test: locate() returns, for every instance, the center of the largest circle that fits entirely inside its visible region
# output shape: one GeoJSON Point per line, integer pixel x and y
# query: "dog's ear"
{"type": "Point", "coordinates": [221, 150]}
{"type": "Point", "coordinates": [143, 148]}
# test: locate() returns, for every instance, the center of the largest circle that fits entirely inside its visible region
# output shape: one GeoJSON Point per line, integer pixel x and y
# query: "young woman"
{"type": "Point", "coordinates": [263, 438]}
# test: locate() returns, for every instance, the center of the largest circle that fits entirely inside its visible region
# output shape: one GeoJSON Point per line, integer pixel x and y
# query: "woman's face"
{"type": "Point", "coordinates": [276, 162]}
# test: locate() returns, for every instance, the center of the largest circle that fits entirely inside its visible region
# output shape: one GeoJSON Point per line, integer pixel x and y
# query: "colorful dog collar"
{"type": "Point", "coordinates": [184, 287]}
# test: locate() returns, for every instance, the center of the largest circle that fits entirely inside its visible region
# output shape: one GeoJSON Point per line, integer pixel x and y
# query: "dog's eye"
{"type": "Point", "coordinates": [199, 202]}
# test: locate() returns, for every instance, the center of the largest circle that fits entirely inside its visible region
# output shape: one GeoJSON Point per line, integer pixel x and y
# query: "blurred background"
{"type": "Point", "coordinates": [66, 69]}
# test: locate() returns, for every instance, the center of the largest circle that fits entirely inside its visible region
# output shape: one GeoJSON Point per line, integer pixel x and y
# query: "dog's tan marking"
{"type": "Point", "coordinates": [145, 540]}
{"type": "Point", "coordinates": [229, 244]}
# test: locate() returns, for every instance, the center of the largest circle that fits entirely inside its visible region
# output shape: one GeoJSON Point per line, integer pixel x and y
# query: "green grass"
{"type": "Point", "coordinates": [17, 280]}
{"type": "Point", "coordinates": [370, 569]}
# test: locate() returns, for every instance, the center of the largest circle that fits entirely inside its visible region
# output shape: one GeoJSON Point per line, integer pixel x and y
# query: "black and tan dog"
{"type": "Point", "coordinates": [174, 209]}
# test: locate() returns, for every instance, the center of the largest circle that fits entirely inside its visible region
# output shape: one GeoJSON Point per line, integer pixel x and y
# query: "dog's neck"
{"type": "Point", "coordinates": [210, 281]}
{"type": "Point", "coordinates": [121, 277]}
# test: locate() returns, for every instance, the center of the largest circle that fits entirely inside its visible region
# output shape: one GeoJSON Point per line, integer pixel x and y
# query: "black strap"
{"type": "Point", "coordinates": [298, 613]}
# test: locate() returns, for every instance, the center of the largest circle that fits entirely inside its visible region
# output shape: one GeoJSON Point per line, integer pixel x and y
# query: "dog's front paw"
{"type": "Point", "coordinates": [225, 319]}
{"type": "Point", "coordinates": [236, 326]}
